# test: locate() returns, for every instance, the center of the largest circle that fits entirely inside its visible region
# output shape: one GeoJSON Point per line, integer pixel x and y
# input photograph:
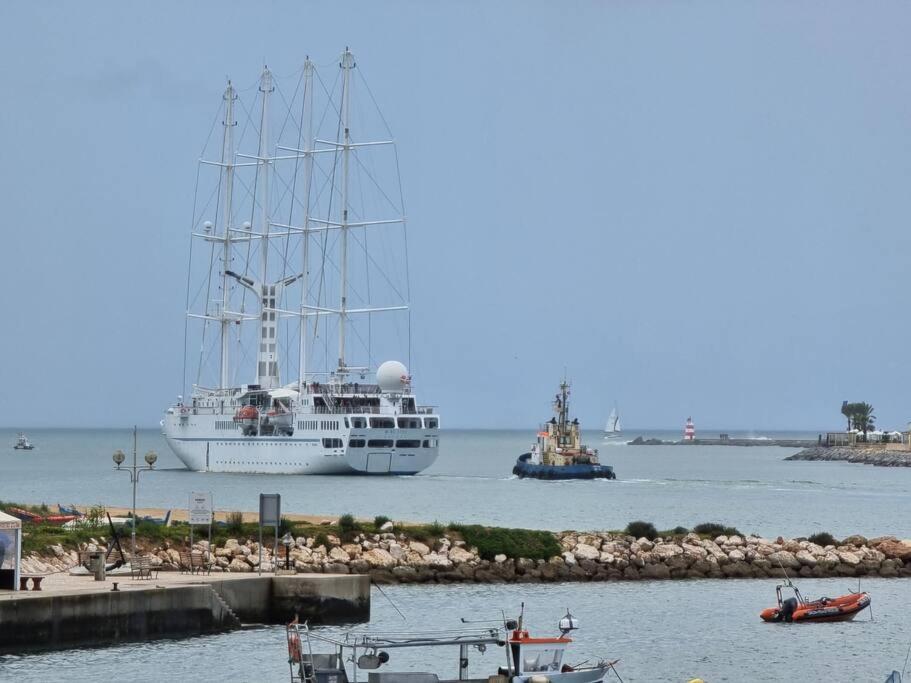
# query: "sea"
{"type": "Point", "coordinates": [660, 631]}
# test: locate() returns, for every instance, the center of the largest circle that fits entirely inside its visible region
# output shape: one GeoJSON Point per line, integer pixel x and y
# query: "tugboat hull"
{"type": "Point", "coordinates": [525, 469]}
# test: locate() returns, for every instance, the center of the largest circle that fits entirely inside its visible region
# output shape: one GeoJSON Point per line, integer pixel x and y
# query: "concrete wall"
{"type": "Point", "coordinates": [106, 618]}
{"type": "Point", "coordinates": [321, 598]}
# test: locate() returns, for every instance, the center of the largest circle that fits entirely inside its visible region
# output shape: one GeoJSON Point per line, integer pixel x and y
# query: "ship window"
{"type": "Point", "coordinates": [356, 443]}
{"type": "Point", "coordinates": [409, 423]}
{"type": "Point", "coordinates": [262, 368]}
{"type": "Point", "coordinates": [332, 443]}
{"type": "Point", "coordinates": [379, 443]}
{"type": "Point", "coordinates": [431, 423]}
{"type": "Point", "coordinates": [430, 443]}
{"type": "Point", "coordinates": [382, 423]}
{"type": "Point", "coordinates": [346, 423]}
{"type": "Point", "coordinates": [359, 422]}
{"type": "Point", "coordinates": [408, 443]}
{"type": "Point", "coordinates": [272, 316]}
{"type": "Point", "coordinates": [264, 329]}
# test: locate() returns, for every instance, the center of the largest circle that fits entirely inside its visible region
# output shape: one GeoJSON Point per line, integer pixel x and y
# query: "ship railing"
{"type": "Point", "coordinates": [229, 411]}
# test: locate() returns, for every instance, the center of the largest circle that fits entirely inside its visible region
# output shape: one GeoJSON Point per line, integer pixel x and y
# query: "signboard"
{"type": "Point", "coordinates": [269, 509]}
{"type": "Point", "coordinates": [200, 508]}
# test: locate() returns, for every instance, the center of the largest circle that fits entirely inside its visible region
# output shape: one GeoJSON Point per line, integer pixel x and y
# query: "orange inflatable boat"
{"type": "Point", "coordinates": [797, 609]}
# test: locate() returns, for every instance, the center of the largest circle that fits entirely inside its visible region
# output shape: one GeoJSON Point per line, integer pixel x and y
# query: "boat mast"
{"type": "Point", "coordinates": [227, 160]}
{"type": "Point", "coordinates": [305, 250]}
{"type": "Point", "coordinates": [347, 64]}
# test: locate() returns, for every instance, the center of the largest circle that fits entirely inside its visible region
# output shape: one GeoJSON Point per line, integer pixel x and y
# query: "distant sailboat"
{"type": "Point", "coordinates": [612, 429]}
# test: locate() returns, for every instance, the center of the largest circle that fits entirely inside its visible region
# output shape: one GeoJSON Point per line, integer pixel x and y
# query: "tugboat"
{"type": "Point", "coordinates": [22, 443]}
{"type": "Point", "coordinates": [559, 452]}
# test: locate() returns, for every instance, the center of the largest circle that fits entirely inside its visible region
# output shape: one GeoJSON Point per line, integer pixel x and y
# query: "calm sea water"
{"type": "Point", "coordinates": [668, 631]}
{"type": "Point", "coordinates": [660, 631]}
{"type": "Point", "coordinates": [751, 488]}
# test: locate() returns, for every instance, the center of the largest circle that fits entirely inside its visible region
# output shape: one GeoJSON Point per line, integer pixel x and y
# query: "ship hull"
{"type": "Point", "coordinates": [195, 441]}
{"type": "Point", "coordinates": [525, 469]}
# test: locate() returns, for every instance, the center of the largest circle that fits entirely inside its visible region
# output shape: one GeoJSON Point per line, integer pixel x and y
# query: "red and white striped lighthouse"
{"type": "Point", "coordinates": [689, 431]}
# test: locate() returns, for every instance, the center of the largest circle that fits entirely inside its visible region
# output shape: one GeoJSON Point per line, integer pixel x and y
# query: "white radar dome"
{"type": "Point", "coordinates": [392, 376]}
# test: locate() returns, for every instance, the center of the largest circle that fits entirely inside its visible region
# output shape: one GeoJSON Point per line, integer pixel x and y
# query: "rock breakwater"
{"type": "Point", "coordinates": [604, 556]}
{"type": "Point", "coordinates": [867, 455]}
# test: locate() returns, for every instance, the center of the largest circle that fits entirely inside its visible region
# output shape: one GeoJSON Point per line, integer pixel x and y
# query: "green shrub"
{"type": "Point", "coordinates": [514, 543]}
{"type": "Point", "coordinates": [823, 538]}
{"type": "Point", "coordinates": [436, 529]}
{"type": "Point", "coordinates": [641, 529]}
{"type": "Point", "coordinates": [714, 529]}
{"type": "Point", "coordinates": [348, 525]}
{"type": "Point", "coordinates": [321, 539]}
{"type": "Point", "coordinates": [379, 521]}
{"type": "Point", "coordinates": [419, 534]}
{"type": "Point", "coordinates": [679, 531]}
{"type": "Point", "coordinates": [235, 523]}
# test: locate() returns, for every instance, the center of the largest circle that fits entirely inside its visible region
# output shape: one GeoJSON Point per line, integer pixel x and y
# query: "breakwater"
{"type": "Point", "coordinates": [784, 443]}
{"type": "Point", "coordinates": [391, 558]}
{"type": "Point", "coordinates": [867, 455]}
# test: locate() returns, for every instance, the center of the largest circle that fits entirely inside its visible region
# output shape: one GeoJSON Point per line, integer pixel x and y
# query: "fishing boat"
{"type": "Point", "coordinates": [526, 659]}
{"type": "Point", "coordinates": [799, 610]}
{"type": "Point", "coordinates": [297, 288]}
{"type": "Point", "coordinates": [22, 443]}
{"type": "Point", "coordinates": [612, 429]}
{"type": "Point", "coordinates": [559, 452]}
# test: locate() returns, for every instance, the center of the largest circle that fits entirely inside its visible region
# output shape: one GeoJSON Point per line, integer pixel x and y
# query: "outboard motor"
{"type": "Point", "coordinates": [788, 607]}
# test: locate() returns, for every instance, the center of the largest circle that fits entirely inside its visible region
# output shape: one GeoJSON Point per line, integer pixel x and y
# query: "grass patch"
{"type": "Point", "coordinates": [514, 543]}
{"type": "Point", "coordinates": [379, 521]}
{"type": "Point", "coordinates": [714, 529]}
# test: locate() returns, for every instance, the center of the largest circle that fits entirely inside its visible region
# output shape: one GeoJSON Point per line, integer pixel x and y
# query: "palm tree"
{"type": "Point", "coordinates": [846, 411]}
{"type": "Point", "coordinates": [864, 418]}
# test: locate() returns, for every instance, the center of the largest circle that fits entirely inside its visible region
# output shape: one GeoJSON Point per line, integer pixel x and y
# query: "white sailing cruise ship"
{"type": "Point", "coordinates": [294, 266]}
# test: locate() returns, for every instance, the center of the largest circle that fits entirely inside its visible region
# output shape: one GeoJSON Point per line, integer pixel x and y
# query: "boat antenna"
{"type": "Point", "coordinates": [383, 593]}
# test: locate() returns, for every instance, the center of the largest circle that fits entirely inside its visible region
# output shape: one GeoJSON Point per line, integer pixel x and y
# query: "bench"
{"type": "Point", "coordinates": [141, 568]}
{"type": "Point", "coordinates": [36, 581]}
{"type": "Point", "coordinates": [185, 564]}
{"type": "Point", "coordinates": [200, 562]}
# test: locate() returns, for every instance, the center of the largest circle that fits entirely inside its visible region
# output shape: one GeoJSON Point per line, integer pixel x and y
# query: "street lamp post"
{"type": "Point", "coordinates": [150, 458]}
{"type": "Point", "coordinates": [287, 541]}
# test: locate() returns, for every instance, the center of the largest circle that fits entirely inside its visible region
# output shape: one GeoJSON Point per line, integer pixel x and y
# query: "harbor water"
{"type": "Point", "coordinates": [660, 631]}
{"type": "Point", "coordinates": [752, 488]}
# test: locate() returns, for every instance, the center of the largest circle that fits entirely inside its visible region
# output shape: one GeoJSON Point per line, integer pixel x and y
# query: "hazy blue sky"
{"type": "Point", "coordinates": [697, 208]}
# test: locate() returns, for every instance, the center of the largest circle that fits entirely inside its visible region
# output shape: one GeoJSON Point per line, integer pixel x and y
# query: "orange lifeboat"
{"type": "Point", "coordinates": [248, 417]}
{"type": "Point", "coordinates": [797, 609]}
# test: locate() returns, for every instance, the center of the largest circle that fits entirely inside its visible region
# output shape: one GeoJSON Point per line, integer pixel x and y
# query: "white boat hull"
{"type": "Point", "coordinates": [195, 441]}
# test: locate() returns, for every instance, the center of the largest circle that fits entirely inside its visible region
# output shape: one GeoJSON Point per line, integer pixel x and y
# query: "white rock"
{"type": "Point", "coordinates": [460, 555]}
{"type": "Point", "coordinates": [419, 548]}
{"type": "Point", "coordinates": [499, 558]}
{"type": "Point", "coordinates": [584, 551]}
{"type": "Point", "coordinates": [387, 526]}
{"type": "Point", "coordinates": [377, 557]}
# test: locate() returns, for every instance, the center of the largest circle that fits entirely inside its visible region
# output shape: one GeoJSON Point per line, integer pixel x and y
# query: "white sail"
{"type": "Point", "coordinates": [613, 423]}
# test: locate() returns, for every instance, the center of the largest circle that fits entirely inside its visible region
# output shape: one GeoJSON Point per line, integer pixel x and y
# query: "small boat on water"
{"type": "Point", "coordinates": [613, 430]}
{"type": "Point", "coordinates": [799, 609]}
{"type": "Point", "coordinates": [22, 443]}
{"type": "Point", "coordinates": [559, 452]}
{"type": "Point", "coordinates": [527, 659]}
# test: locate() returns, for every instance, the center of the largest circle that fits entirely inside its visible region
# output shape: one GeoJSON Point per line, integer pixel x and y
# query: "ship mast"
{"type": "Point", "coordinates": [305, 249]}
{"type": "Point", "coordinates": [347, 63]}
{"type": "Point", "coordinates": [227, 160]}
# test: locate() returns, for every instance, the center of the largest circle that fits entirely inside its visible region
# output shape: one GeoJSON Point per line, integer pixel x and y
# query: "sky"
{"type": "Point", "coordinates": [690, 209]}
